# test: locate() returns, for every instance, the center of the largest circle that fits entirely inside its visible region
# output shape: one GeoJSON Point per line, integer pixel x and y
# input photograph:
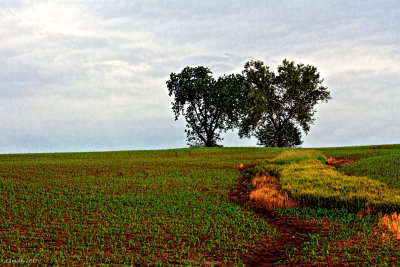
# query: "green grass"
{"type": "Point", "coordinates": [351, 238]}
{"type": "Point", "coordinates": [141, 207]}
{"type": "Point", "coordinates": [170, 207]}
{"type": "Point", "coordinates": [378, 162]}
{"type": "Point", "coordinates": [347, 239]}
{"type": "Point", "coordinates": [304, 176]}
{"type": "Point", "coordinates": [333, 200]}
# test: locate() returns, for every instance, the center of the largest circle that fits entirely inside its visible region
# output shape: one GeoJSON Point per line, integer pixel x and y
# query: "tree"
{"type": "Point", "coordinates": [209, 106]}
{"type": "Point", "coordinates": [278, 104]}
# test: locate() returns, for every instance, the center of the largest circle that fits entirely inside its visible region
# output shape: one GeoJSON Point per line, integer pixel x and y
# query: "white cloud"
{"type": "Point", "coordinates": [82, 73]}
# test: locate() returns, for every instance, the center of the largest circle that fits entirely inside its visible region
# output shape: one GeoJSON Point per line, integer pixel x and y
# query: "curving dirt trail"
{"type": "Point", "coordinates": [293, 232]}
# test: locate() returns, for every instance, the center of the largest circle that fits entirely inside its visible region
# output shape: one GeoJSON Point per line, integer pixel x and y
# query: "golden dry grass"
{"type": "Point", "coordinates": [267, 193]}
{"type": "Point", "coordinates": [392, 222]}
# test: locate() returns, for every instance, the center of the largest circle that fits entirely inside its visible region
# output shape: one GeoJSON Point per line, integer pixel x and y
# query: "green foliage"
{"type": "Point", "coordinates": [277, 103]}
{"type": "Point", "coordinates": [289, 135]}
{"type": "Point", "coordinates": [209, 106]}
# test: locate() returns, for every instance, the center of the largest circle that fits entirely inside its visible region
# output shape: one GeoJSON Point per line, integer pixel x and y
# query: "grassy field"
{"type": "Point", "coordinates": [305, 176]}
{"type": "Point", "coordinates": [378, 162]}
{"type": "Point", "coordinates": [349, 209]}
{"type": "Point", "coordinates": [172, 207]}
{"type": "Point", "coordinates": [142, 207]}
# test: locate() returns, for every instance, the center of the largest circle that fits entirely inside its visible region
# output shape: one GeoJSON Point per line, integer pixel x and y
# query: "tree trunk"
{"type": "Point", "coordinates": [209, 141]}
{"type": "Point", "coordinates": [280, 139]}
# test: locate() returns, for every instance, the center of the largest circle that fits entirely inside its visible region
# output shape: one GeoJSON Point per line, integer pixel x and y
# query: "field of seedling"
{"type": "Point", "coordinates": [199, 206]}
{"type": "Point", "coordinates": [378, 162]}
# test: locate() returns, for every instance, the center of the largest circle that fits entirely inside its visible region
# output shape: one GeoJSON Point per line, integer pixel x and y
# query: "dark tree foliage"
{"type": "Point", "coordinates": [268, 136]}
{"type": "Point", "coordinates": [278, 104]}
{"type": "Point", "coordinates": [209, 106]}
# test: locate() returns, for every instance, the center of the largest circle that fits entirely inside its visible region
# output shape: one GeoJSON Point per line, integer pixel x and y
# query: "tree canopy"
{"type": "Point", "coordinates": [278, 104]}
{"type": "Point", "coordinates": [210, 106]}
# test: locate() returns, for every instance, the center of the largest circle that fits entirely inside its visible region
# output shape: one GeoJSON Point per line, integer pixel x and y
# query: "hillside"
{"type": "Point", "coordinates": [180, 206]}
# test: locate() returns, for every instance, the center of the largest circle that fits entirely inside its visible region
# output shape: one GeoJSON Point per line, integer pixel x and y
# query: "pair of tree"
{"type": "Point", "coordinates": [258, 102]}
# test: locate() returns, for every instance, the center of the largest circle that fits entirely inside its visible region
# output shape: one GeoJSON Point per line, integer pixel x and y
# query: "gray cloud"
{"type": "Point", "coordinates": [364, 110]}
{"type": "Point", "coordinates": [90, 75]}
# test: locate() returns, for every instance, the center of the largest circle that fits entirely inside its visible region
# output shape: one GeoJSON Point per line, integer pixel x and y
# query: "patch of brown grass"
{"type": "Point", "coordinates": [339, 162]}
{"type": "Point", "coordinates": [267, 193]}
{"type": "Point", "coordinates": [365, 212]}
{"type": "Point", "coordinates": [392, 222]}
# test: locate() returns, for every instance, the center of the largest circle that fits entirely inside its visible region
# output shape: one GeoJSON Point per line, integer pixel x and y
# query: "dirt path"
{"type": "Point", "coordinates": [294, 232]}
{"type": "Point", "coordinates": [337, 162]}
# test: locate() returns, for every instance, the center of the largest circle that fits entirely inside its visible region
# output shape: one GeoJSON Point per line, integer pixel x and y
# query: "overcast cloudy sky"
{"type": "Point", "coordinates": [90, 75]}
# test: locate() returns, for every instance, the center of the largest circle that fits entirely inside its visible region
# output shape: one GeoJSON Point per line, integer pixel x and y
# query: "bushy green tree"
{"type": "Point", "coordinates": [279, 104]}
{"type": "Point", "coordinates": [210, 106]}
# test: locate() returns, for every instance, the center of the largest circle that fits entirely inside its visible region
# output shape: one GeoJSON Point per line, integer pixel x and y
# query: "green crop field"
{"type": "Point", "coordinates": [143, 207]}
{"type": "Point", "coordinates": [378, 162]}
{"type": "Point", "coordinates": [172, 207]}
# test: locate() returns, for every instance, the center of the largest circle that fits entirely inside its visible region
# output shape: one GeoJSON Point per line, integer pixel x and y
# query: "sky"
{"type": "Point", "coordinates": [91, 75]}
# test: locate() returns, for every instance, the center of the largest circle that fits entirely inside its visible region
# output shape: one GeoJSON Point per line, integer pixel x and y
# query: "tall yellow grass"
{"type": "Point", "coordinates": [314, 183]}
{"type": "Point", "coordinates": [267, 193]}
{"type": "Point", "coordinates": [305, 177]}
